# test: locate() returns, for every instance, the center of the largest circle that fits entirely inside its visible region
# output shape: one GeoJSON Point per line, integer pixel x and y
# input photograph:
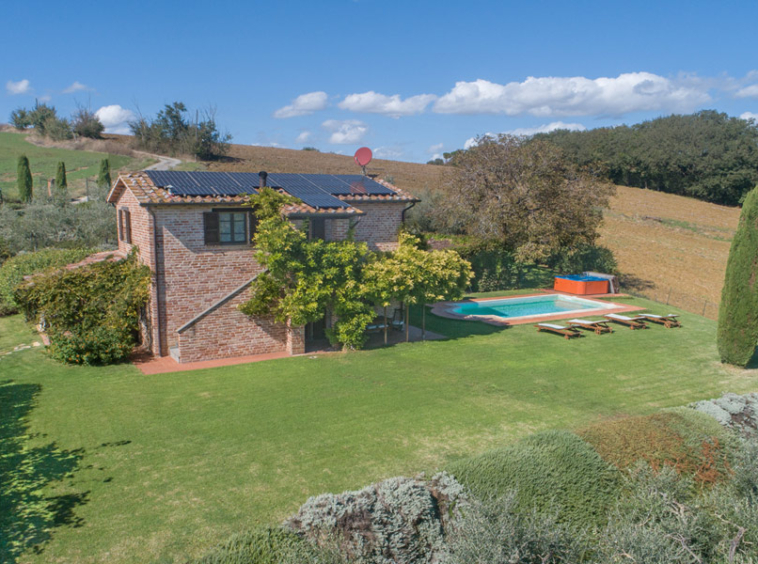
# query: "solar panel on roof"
{"type": "Point", "coordinates": [202, 183]}
{"type": "Point", "coordinates": [317, 190]}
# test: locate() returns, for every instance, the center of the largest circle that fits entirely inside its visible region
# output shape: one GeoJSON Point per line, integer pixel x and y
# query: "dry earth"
{"type": "Point", "coordinates": [669, 248]}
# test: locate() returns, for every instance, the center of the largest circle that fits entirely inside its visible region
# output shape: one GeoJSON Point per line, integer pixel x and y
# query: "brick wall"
{"type": "Point", "coordinates": [381, 224]}
{"type": "Point", "coordinates": [227, 332]}
{"type": "Point", "coordinates": [194, 276]}
{"type": "Point", "coordinates": [142, 238]}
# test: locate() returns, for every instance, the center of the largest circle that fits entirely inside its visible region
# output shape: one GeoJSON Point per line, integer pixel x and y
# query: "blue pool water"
{"type": "Point", "coordinates": [528, 306]}
{"type": "Point", "coordinates": [581, 277]}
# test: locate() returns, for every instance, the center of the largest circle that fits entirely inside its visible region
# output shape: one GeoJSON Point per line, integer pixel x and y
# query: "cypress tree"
{"type": "Point", "coordinates": [61, 184]}
{"type": "Point", "coordinates": [24, 179]}
{"type": "Point", "coordinates": [104, 178]}
{"type": "Point", "coordinates": [738, 313]}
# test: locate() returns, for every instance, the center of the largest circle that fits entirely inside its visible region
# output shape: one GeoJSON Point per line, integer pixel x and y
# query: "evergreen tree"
{"type": "Point", "coordinates": [24, 179]}
{"type": "Point", "coordinates": [738, 314]}
{"type": "Point", "coordinates": [61, 184]}
{"type": "Point", "coordinates": [104, 178]}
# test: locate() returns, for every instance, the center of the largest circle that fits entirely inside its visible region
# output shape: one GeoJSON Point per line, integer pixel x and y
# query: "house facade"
{"type": "Point", "coordinates": [194, 232]}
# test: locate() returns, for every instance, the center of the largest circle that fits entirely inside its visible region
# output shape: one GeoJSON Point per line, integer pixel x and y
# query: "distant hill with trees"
{"type": "Point", "coordinates": [707, 155]}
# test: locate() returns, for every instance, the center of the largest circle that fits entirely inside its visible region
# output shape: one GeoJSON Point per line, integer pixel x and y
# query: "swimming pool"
{"type": "Point", "coordinates": [527, 306]}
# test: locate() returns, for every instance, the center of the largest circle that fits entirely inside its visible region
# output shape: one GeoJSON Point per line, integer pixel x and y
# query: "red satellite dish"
{"type": "Point", "coordinates": [363, 156]}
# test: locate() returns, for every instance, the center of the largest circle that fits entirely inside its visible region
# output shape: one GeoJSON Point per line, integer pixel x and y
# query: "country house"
{"type": "Point", "coordinates": [194, 233]}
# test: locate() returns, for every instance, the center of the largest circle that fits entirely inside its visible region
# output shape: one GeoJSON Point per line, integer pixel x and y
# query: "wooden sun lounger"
{"type": "Point", "coordinates": [668, 321]}
{"type": "Point", "coordinates": [599, 327]}
{"type": "Point", "coordinates": [631, 322]}
{"type": "Point", "coordinates": [567, 332]}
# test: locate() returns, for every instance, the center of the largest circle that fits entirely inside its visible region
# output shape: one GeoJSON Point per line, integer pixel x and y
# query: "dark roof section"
{"type": "Point", "coordinates": [205, 183]}
{"type": "Point", "coordinates": [315, 190]}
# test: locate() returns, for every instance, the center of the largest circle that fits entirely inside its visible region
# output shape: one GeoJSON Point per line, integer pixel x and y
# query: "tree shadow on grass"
{"type": "Point", "coordinates": [753, 364]}
{"type": "Point", "coordinates": [453, 328]}
{"type": "Point", "coordinates": [28, 517]}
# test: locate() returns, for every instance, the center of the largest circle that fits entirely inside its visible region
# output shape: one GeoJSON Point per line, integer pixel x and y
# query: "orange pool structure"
{"type": "Point", "coordinates": [580, 284]}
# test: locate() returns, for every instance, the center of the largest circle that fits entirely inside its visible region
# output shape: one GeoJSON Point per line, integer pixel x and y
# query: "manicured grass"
{"type": "Point", "coordinates": [171, 464]}
{"type": "Point", "coordinates": [43, 162]}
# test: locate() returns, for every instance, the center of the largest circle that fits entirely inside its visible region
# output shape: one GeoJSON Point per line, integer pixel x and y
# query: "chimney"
{"type": "Point", "coordinates": [263, 175]}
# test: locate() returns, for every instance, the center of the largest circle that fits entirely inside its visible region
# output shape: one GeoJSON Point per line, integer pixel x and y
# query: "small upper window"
{"type": "Point", "coordinates": [233, 227]}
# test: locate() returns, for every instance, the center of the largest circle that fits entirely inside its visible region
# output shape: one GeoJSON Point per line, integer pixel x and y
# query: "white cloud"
{"type": "Point", "coordinates": [748, 92]}
{"type": "Point", "coordinates": [20, 87]}
{"type": "Point", "coordinates": [547, 128]}
{"type": "Point", "coordinates": [346, 131]}
{"type": "Point", "coordinates": [387, 152]}
{"type": "Point", "coordinates": [434, 149]}
{"type": "Point", "coordinates": [303, 137]}
{"type": "Point", "coordinates": [392, 106]}
{"type": "Point", "coordinates": [553, 96]}
{"type": "Point", "coordinates": [45, 98]}
{"type": "Point", "coordinates": [76, 87]}
{"type": "Point", "coordinates": [750, 115]}
{"type": "Point", "coordinates": [115, 118]}
{"type": "Point", "coordinates": [303, 105]}
{"type": "Point", "coordinates": [473, 141]}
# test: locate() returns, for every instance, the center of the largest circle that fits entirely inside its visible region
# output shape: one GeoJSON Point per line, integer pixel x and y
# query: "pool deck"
{"type": "Point", "coordinates": [442, 309]}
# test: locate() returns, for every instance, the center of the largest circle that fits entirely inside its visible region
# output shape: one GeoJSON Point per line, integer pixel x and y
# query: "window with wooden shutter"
{"type": "Point", "coordinates": [128, 226]}
{"type": "Point", "coordinates": [210, 223]}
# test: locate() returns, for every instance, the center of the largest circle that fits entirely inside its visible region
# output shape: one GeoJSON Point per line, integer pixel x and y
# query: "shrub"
{"type": "Point", "coordinates": [400, 520]}
{"type": "Point", "coordinates": [98, 345]}
{"type": "Point", "coordinates": [688, 441]}
{"type": "Point", "coordinates": [92, 312]}
{"type": "Point", "coordinates": [738, 313]}
{"type": "Point", "coordinates": [660, 521]}
{"type": "Point", "coordinates": [495, 532]}
{"type": "Point", "coordinates": [268, 546]}
{"type": "Point", "coordinates": [85, 123]}
{"type": "Point", "coordinates": [584, 258]}
{"type": "Point", "coordinates": [739, 413]}
{"type": "Point", "coordinates": [552, 471]}
{"type": "Point", "coordinates": [14, 269]}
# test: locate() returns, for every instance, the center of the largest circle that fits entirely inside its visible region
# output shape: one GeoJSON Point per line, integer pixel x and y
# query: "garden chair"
{"type": "Point", "coordinates": [397, 323]}
{"type": "Point", "coordinates": [668, 321]}
{"type": "Point", "coordinates": [567, 332]}
{"type": "Point", "coordinates": [599, 327]}
{"type": "Point", "coordinates": [631, 322]}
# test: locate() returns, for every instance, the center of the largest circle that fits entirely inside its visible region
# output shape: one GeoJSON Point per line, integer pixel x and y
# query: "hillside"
{"type": "Point", "coordinates": [670, 248]}
{"type": "Point", "coordinates": [43, 160]}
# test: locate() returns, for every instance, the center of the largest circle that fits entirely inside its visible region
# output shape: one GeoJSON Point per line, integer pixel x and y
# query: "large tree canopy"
{"type": "Point", "coordinates": [524, 196]}
{"type": "Point", "coordinates": [707, 155]}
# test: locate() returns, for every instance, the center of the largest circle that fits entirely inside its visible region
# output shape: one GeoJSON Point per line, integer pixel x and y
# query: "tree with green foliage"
{"type": "Point", "coordinates": [417, 277]}
{"type": "Point", "coordinates": [523, 196]}
{"type": "Point", "coordinates": [306, 279]}
{"type": "Point", "coordinates": [738, 313]}
{"type": "Point", "coordinates": [104, 176]}
{"type": "Point", "coordinates": [61, 183]}
{"type": "Point", "coordinates": [24, 179]}
{"type": "Point", "coordinates": [84, 123]}
{"type": "Point", "coordinates": [707, 155]}
{"type": "Point", "coordinates": [171, 132]}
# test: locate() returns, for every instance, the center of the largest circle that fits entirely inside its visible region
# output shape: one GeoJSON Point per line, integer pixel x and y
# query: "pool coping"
{"type": "Point", "coordinates": [441, 309]}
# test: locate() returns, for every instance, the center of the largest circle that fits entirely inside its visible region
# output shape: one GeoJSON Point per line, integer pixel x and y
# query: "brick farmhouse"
{"type": "Point", "coordinates": [193, 231]}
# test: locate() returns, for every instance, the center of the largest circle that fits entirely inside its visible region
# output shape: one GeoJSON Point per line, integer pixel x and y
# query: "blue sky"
{"type": "Point", "coordinates": [408, 79]}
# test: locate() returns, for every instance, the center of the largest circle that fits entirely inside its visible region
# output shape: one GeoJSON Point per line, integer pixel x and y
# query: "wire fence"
{"type": "Point", "coordinates": [669, 296]}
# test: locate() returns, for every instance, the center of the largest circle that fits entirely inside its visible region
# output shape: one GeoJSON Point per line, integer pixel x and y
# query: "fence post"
{"type": "Point", "coordinates": [669, 296]}
{"type": "Point", "coordinates": [705, 305]}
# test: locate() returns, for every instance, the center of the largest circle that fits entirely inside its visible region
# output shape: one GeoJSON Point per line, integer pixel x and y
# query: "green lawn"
{"type": "Point", "coordinates": [43, 162]}
{"type": "Point", "coordinates": [138, 468]}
